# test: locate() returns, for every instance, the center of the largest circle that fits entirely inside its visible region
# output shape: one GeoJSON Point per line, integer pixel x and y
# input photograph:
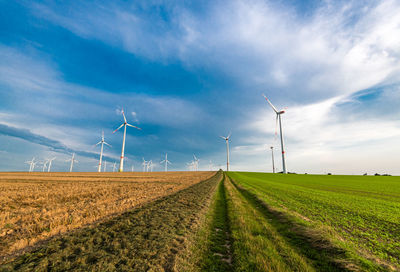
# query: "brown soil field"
{"type": "Point", "coordinates": [37, 206]}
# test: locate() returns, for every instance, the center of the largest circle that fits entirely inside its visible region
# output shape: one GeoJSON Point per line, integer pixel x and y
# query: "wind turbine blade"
{"type": "Point", "coordinates": [223, 137]}
{"type": "Point", "coordinates": [133, 126]}
{"type": "Point", "coordinates": [108, 144]}
{"type": "Point", "coordinates": [269, 102]}
{"type": "Point", "coordinates": [276, 127]}
{"type": "Point", "coordinates": [230, 133]}
{"type": "Point", "coordinates": [123, 114]}
{"type": "Point", "coordinates": [97, 143]}
{"type": "Point", "coordinates": [118, 128]}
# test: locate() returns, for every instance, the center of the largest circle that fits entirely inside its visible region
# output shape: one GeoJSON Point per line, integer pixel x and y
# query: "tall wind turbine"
{"type": "Point", "coordinates": [121, 163]}
{"type": "Point", "coordinates": [102, 142]}
{"type": "Point", "coordinates": [227, 149]}
{"type": "Point", "coordinates": [273, 161]}
{"type": "Point", "coordinates": [50, 161]}
{"type": "Point", "coordinates": [278, 116]}
{"type": "Point", "coordinates": [166, 161]}
{"type": "Point", "coordinates": [32, 164]}
{"type": "Point", "coordinates": [72, 162]}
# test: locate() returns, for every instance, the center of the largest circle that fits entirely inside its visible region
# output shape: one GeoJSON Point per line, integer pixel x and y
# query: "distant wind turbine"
{"type": "Point", "coordinates": [133, 168]}
{"type": "Point", "coordinates": [50, 162]}
{"type": "Point", "coordinates": [102, 142]}
{"type": "Point", "coordinates": [191, 165]}
{"type": "Point", "coordinates": [72, 162]}
{"type": "Point", "coordinates": [44, 165]}
{"type": "Point", "coordinates": [273, 161]}
{"type": "Point", "coordinates": [114, 166]}
{"type": "Point", "coordinates": [105, 166]}
{"type": "Point", "coordinates": [227, 149]}
{"type": "Point", "coordinates": [196, 163]}
{"type": "Point", "coordinates": [121, 164]}
{"type": "Point", "coordinates": [166, 161]}
{"type": "Point", "coordinates": [32, 164]}
{"type": "Point", "coordinates": [144, 165]}
{"type": "Point", "coordinates": [278, 117]}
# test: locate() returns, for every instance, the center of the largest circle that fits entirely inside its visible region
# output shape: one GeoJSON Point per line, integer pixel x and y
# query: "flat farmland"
{"type": "Point", "coordinates": [315, 222]}
{"type": "Point", "coordinates": [37, 206]}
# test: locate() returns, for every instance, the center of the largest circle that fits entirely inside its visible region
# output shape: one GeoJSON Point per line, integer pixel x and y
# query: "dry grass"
{"type": "Point", "coordinates": [36, 206]}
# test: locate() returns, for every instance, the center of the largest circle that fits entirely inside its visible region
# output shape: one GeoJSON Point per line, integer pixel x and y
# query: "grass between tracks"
{"type": "Point", "coordinates": [209, 249]}
{"type": "Point", "coordinates": [146, 238]}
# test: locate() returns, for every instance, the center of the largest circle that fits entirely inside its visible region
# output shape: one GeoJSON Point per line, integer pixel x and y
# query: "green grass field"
{"type": "Point", "coordinates": [358, 216]}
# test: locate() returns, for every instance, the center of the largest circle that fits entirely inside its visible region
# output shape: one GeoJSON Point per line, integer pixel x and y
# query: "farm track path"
{"type": "Point", "coordinates": [146, 238]}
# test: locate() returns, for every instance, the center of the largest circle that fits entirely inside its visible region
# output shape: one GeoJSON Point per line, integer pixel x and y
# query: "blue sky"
{"type": "Point", "coordinates": [187, 72]}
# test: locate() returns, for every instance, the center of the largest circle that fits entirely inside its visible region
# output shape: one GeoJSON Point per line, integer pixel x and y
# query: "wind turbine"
{"type": "Point", "coordinates": [273, 161]}
{"type": "Point", "coordinates": [32, 164]}
{"type": "Point", "coordinates": [227, 149]}
{"type": "Point", "coordinates": [150, 166]}
{"type": "Point", "coordinates": [114, 166]}
{"type": "Point", "coordinates": [105, 166]}
{"type": "Point", "coordinates": [121, 163]}
{"type": "Point", "coordinates": [45, 165]}
{"type": "Point", "coordinates": [166, 161]}
{"type": "Point", "coordinates": [144, 165]}
{"type": "Point", "coordinates": [102, 142]}
{"type": "Point", "coordinates": [133, 168]}
{"type": "Point", "coordinates": [72, 162]}
{"type": "Point", "coordinates": [50, 161]}
{"type": "Point", "coordinates": [191, 165]}
{"type": "Point", "coordinates": [196, 163]}
{"type": "Point", "coordinates": [278, 116]}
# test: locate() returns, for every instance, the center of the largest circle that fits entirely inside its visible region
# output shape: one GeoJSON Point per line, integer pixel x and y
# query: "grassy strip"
{"type": "Point", "coordinates": [209, 248]}
{"type": "Point", "coordinates": [147, 238]}
{"type": "Point", "coordinates": [257, 246]}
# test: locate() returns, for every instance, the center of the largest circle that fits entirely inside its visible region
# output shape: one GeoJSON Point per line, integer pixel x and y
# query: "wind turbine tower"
{"type": "Point", "coordinates": [102, 142]}
{"type": "Point", "coordinates": [121, 163]}
{"type": "Point", "coordinates": [166, 161]}
{"type": "Point", "coordinates": [72, 162]}
{"type": "Point", "coordinates": [227, 149]}
{"type": "Point", "coordinates": [273, 161]}
{"type": "Point", "coordinates": [50, 162]}
{"type": "Point", "coordinates": [114, 166]}
{"type": "Point", "coordinates": [278, 117]}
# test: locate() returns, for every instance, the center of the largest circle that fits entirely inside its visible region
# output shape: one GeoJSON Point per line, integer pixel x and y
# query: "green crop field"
{"type": "Point", "coordinates": [358, 217]}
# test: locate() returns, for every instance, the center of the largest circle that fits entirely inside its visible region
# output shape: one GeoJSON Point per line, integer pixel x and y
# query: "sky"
{"type": "Point", "coordinates": [187, 72]}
